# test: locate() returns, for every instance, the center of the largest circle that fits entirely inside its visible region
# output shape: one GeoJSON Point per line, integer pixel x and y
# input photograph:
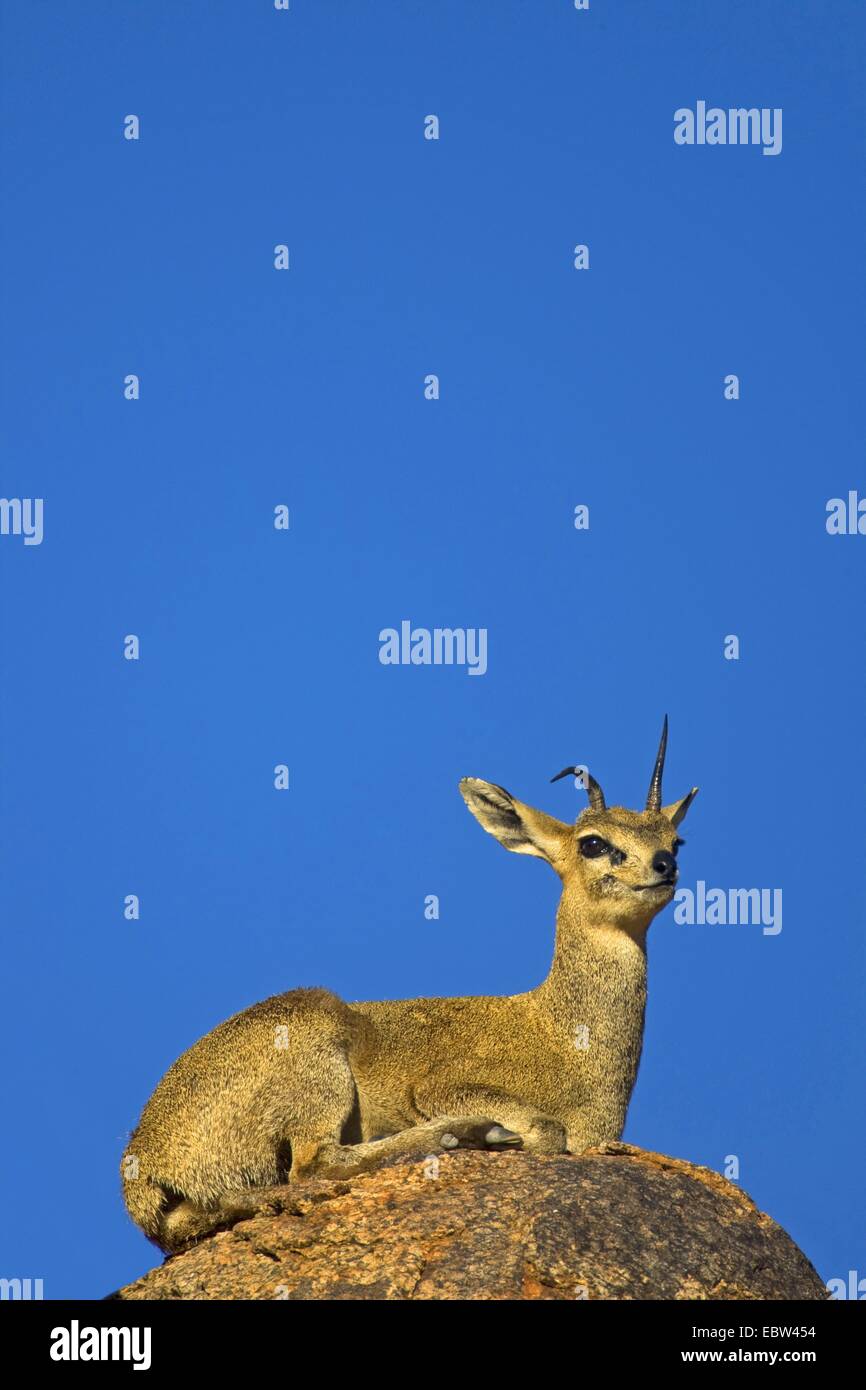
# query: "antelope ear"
{"type": "Point", "coordinates": [518, 827]}
{"type": "Point", "coordinates": [677, 809]}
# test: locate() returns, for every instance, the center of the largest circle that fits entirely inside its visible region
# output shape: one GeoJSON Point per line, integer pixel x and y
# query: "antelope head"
{"type": "Point", "coordinates": [618, 867]}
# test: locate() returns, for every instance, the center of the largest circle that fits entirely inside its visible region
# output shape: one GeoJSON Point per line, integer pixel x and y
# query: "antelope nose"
{"type": "Point", "coordinates": [664, 864]}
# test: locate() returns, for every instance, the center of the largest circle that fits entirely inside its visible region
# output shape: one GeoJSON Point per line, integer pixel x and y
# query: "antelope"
{"type": "Point", "coordinates": [305, 1084]}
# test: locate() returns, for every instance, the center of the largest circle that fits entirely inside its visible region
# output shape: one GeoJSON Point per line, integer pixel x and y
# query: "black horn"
{"type": "Point", "coordinates": [654, 795]}
{"type": "Point", "coordinates": [593, 790]}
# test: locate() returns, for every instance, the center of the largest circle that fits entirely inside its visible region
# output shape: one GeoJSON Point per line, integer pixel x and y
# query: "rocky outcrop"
{"type": "Point", "coordinates": [618, 1223]}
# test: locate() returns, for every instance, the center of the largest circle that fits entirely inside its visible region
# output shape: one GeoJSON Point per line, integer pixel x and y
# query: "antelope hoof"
{"type": "Point", "coordinates": [500, 1136]}
{"type": "Point", "coordinates": [449, 1141]}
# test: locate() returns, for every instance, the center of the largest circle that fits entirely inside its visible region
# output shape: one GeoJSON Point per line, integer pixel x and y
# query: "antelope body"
{"type": "Point", "coordinates": [304, 1083]}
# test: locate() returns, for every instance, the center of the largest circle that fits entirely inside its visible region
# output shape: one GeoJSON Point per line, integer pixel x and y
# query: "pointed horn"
{"type": "Point", "coordinates": [593, 790]}
{"type": "Point", "coordinates": [654, 795]}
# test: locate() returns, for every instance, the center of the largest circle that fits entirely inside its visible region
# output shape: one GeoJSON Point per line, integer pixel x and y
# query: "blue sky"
{"type": "Point", "coordinates": [601, 387]}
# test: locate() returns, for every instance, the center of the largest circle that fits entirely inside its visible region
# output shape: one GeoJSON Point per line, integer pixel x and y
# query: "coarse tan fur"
{"type": "Point", "coordinates": [305, 1084]}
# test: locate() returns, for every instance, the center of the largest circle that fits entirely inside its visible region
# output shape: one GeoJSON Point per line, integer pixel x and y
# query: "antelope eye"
{"type": "Point", "coordinates": [592, 846]}
{"type": "Point", "coordinates": [676, 845]}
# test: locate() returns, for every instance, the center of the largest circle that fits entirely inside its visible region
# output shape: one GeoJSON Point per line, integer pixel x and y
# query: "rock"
{"type": "Point", "coordinates": [614, 1223]}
